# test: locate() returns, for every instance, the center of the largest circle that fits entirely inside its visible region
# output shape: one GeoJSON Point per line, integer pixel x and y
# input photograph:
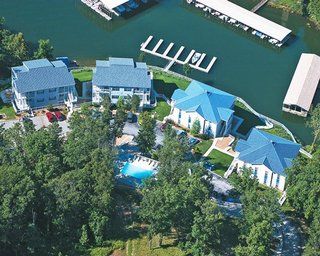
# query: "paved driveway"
{"type": "Point", "coordinates": [133, 129]}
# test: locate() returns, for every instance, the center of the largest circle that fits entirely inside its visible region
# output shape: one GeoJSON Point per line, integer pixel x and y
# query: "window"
{"type": "Point", "coordinates": [265, 177]}
{"type": "Point", "coordinates": [53, 98]}
{"type": "Point", "coordinates": [127, 89]}
{"type": "Point", "coordinates": [115, 89]}
{"type": "Point", "coordinates": [40, 100]}
{"type": "Point", "coordinates": [53, 90]}
{"type": "Point", "coordinates": [255, 172]}
{"type": "Point", "coordinates": [31, 94]}
{"type": "Point", "coordinates": [61, 89]}
{"type": "Point", "coordinates": [115, 97]}
{"type": "Point", "coordinates": [277, 181]}
{"type": "Point", "coordinates": [40, 92]}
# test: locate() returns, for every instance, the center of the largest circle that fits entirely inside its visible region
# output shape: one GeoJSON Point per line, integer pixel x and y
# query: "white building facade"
{"type": "Point", "coordinates": [121, 77]}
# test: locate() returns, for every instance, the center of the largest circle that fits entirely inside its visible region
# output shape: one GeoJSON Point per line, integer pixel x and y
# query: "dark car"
{"type": "Point", "coordinates": [193, 141]}
{"type": "Point", "coordinates": [51, 117]}
{"type": "Point", "coordinates": [163, 127]}
{"type": "Point", "coordinates": [59, 115]}
{"type": "Point", "coordinates": [130, 117]}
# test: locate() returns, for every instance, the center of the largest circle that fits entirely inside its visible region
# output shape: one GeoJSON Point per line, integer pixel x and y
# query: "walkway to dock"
{"type": "Point", "coordinates": [95, 7]}
{"type": "Point", "coordinates": [259, 5]}
{"type": "Point", "coordinates": [175, 59]}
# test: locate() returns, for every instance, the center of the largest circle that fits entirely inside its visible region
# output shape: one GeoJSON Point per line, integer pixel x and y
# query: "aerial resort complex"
{"type": "Point", "coordinates": [110, 8]}
{"type": "Point", "coordinates": [158, 128]}
{"type": "Point", "coordinates": [245, 19]}
{"type": "Point", "coordinates": [303, 85]}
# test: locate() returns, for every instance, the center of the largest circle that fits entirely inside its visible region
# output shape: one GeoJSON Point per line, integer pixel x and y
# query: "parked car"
{"type": "Point", "coordinates": [193, 141]}
{"type": "Point", "coordinates": [59, 115]}
{"type": "Point", "coordinates": [130, 117]}
{"type": "Point", "coordinates": [51, 117]}
{"type": "Point", "coordinates": [163, 126]}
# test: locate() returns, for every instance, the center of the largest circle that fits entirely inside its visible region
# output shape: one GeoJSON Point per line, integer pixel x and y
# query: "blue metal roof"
{"type": "Point", "coordinates": [262, 148]}
{"type": "Point", "coordinates": [212, 104]}
{"type": "Point", "coordinates": [121, 72]}
{"type": "Point", "coordinates": [41, 74]}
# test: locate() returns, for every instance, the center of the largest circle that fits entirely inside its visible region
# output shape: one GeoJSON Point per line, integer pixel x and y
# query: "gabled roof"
{"type": "Point", "coordinates": [41, 74]}
{"type": "Point", "coordinates": [212, 104]}
{"type": "Point", "coordinates": [262, 148]}
{"type": "Point", "coordinates": [121, 72]}
{"type": "Point", "coordinates": [304, 82]}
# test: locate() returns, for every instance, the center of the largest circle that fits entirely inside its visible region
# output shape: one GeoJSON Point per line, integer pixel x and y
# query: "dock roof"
{"type": "Point", "coordinates": [304, 82]}
{"type": "Point", "coordinates": [111, 4]}
{"type": "Point", "coordinates": [248, 18]}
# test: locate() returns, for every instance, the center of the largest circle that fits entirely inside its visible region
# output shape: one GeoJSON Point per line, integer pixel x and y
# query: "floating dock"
{"type": "Point", "coordinates": [175, 59]}
{"type": "Point", "coordinates": [96, 7]}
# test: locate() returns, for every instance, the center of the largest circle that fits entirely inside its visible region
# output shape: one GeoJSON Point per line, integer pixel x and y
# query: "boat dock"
{"type": "Point", "coordinates": [175, 59]}
{"type": "Point", "coordinates": [259, 5]}
{"type": "Point", "coordinates": [96, 7]}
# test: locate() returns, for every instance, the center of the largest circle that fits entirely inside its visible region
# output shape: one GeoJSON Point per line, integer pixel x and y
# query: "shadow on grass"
{"type": "Point", "coordinates": [250, 120]}
{"type": "Point", "coordinates": [166, 89]}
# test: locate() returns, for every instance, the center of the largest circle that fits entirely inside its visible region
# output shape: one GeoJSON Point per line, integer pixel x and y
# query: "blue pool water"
{"type": "Point", "coordinates": [137, 172]}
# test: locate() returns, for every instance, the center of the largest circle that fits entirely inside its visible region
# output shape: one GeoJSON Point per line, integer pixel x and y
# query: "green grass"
{"type": "Point", "coordinates": [250, 120]}
{"type": "Point", "coordinates": [220, 161]}
{"type": "Point", "coordinates": [165, 83]}
{"type": "Point", "coordinates": [7, 109]}
{"type": "Point", "coordinates": [203, 146]}
{"type": "Point", "coordinates": [83, 75]}
{"type": "Point", "coordinates": [139, 246]}
{"type": "Point", "coordinates": [279, 131]}
{"type": "Point", "coordinates": [161, 110]}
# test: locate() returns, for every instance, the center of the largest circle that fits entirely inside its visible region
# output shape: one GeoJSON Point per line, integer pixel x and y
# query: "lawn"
{"type": "Point", "coordinates": [161, 110]}
{"type": "Point", "coordinates": [279, 131]}
{"type": "Point", "coordinates": [220, 161]}
{"type": "Point", "coordinates": [203, 147]}
{"type": "Point", "coordinates": [165, 83]}
{"type": "Point", "coordinates": [83, 75]}
{"type": "Point", "coordinates": [7, 109]}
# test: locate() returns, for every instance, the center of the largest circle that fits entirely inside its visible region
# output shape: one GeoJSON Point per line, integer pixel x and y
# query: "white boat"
{"type": "Point", "coordinates": [273, 41]}
{"type": "Point", "coordinates": [189, 1]}
{"type": "Point", "coordinates": [195, 57]}
{"type": "Point", "coordinates": [199, 5]}
{"type": "Point", "coordinates": [254, 32]}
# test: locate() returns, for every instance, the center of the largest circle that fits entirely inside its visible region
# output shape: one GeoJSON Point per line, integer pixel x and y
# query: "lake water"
{"type": "Point", "coordinates": [246, 66]}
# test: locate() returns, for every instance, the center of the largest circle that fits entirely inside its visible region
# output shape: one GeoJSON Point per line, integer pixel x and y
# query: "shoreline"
{"type": "Point", "coordinates": [289, 9]}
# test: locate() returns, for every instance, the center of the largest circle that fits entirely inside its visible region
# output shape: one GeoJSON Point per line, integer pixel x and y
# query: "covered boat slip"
{"type": "Point", "coordinates": [248, 18]}
{"type": "Point", "coordinates": [111, 4]}
{"type": "Point", "coordinates": [303, 85]}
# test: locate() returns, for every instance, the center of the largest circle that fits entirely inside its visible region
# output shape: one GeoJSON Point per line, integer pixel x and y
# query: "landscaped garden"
{"type": "Point", "coordinates": [161, 110]}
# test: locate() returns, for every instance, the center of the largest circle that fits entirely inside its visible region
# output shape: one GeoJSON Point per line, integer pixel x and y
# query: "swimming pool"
{"type": "Point", "coordinates": [136, 171]}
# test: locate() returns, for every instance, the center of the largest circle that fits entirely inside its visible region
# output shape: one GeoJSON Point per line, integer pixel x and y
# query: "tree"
{"type": "Point", "coordinates": [146, 138]}
{"type": "Point", "coordinates": [314, 124]}
{"type": "Point", "coordinates": [206, 229]}
{"type": "Point", "coordinates": [135, 103]}
{"type": "Point", "coordinates": [44, 51]}
{"type": "Point", "coordinates": [314, 10]}
{"type": "Point", "coordinates": [195, 129]}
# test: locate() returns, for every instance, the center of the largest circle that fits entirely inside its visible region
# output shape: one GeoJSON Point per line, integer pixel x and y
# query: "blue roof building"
{"type": "Point", "coordinates": [212, 107]}
{"type": "Point", "coordinates": [121, 77]}
{"type": "Point", "coordinates": [268, 154]}
{"type": "Point", "coordinates": [38, 83]}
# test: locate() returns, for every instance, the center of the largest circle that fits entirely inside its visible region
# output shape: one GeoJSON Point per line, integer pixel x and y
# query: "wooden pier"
{"type": "Point", "coordinates": [95, 7]}
{"type": "Point", "coordinates": [175, 59]}
{"type": "Point", "coordinates": [259, 5]}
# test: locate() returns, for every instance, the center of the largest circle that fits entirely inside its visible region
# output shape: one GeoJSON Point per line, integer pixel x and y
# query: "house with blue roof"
{"type": "Point", "coordinates": [213, 108]}
{"type": "Point", "coordinates": [39, 83]}
{"type": "Point", "coordinates": [121, 77]}
{"type": "Point", "coordinates": [267, 155]}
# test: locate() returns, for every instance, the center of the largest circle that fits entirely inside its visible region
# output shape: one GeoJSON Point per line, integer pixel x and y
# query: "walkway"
{"type": "Point", "coordinates": [259, 5]}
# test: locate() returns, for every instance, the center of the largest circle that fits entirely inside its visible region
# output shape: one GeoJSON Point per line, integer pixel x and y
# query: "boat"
{"type": "Point", "coordinates": [196, 57]}
{"type": "Point", "coordinates": [199, 5]}
{"type": "Point", "coordinates": [273, 41]}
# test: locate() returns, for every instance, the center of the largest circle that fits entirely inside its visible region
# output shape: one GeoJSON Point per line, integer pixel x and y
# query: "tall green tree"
{"type": "Point", "coordinates": [44, 51]}
{"type": "Point", "coordinates": [146, 138]}
{"type": "Point", "coordinates": [195, 129]}
{"type": "Point", "coordinates": [135, 103]}
{"type": "Point", "coordinates": [314, 124]}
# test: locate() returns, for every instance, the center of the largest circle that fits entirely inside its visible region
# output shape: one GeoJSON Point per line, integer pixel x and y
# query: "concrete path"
{"type": "Point", "coordinates": [210, 149]}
